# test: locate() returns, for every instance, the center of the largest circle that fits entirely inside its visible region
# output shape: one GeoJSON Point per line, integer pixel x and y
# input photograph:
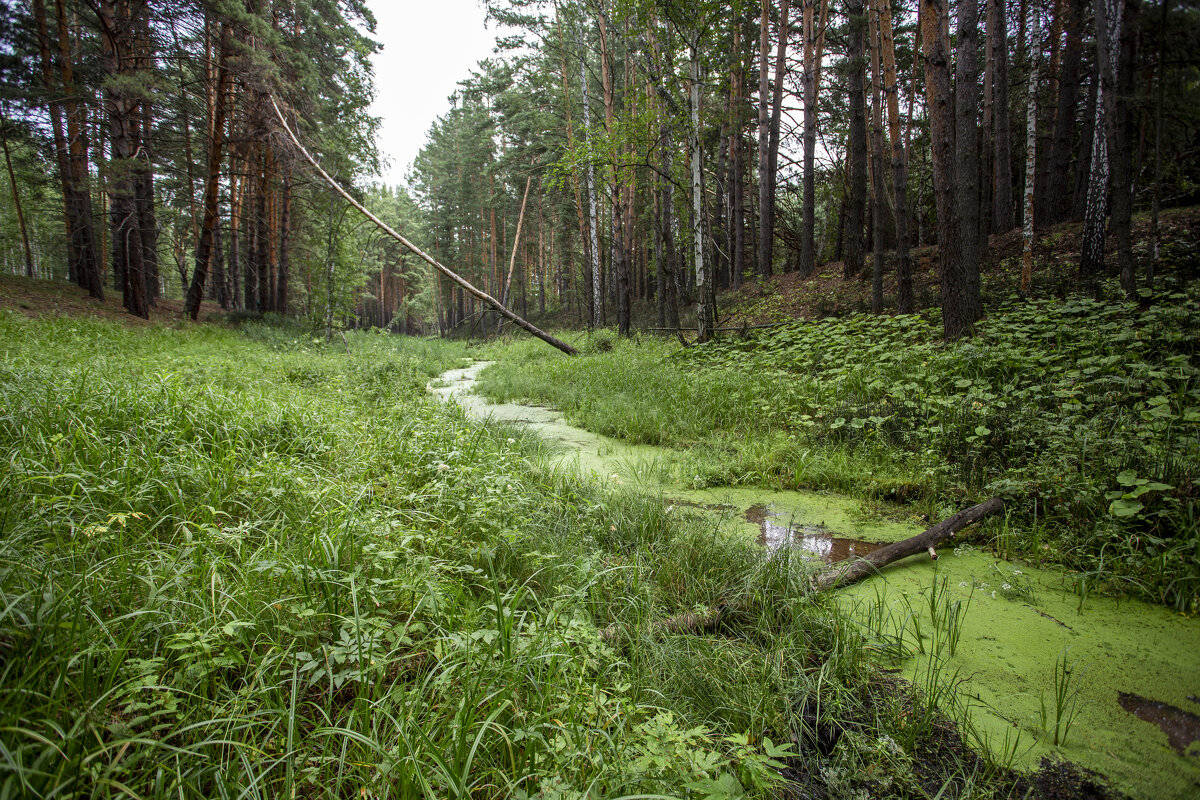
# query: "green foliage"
{"type": "Point", "coordinates": [281, 568]}
{"type": "Point", "coordinates": [1084, 414]}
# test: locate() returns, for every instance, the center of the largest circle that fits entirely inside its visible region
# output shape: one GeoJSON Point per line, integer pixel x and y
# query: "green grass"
{"type": "Point", "coordinates": [1084, 415]}
{"type": "Point", "coordinates": [247, 563]}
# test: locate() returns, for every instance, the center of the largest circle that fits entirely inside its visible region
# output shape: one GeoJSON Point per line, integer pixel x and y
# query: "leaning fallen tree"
{"type": "Point", "coordinates": [841, 574]}
{"type": "Point", "coordinates": [428, 259]}
{"type": "Point", "coordinates": [856, 569]}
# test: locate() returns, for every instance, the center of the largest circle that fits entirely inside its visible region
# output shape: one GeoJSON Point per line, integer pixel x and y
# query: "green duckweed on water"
{"type": "Point", "coordinates": [1018, 625]}
{"type": "Point", "coordinates": [1006, 648]}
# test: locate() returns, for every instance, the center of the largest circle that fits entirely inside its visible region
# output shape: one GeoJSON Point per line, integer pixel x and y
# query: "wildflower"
{"type": "Point", "coordinates": [1017, 572]}
{"type": "Point", "coordinates": [993, 594]}
{"type": "Point", "coordinates": [962, 584]}
{"type": "Point", "coordinates": [1006, 587]}
{"type": "Point", "coordinates": [512, 441]}
{"type": "Point", "coordinates": [442, 467]}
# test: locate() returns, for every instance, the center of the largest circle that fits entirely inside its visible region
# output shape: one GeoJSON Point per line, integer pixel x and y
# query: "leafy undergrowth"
{"type": "Point", "coordinates": [248, 563]}
{"type": "Point", "coordinates": [1086, 415]}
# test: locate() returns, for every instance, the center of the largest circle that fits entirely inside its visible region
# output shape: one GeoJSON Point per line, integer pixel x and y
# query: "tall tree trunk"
{"type": "Point", "coordinates": [16, 195]}
{"type": "Point", "coordinates": [737, 205]}
{"type": "Point", "coordinates": [814, 41]}
{"type": "Point", "coordinates": [935, 40]}
{"type": "Point", "coordinates": [1030, 151]}
{"type": "Point", "coordinates": [1122, 145]}
{"type": "Point", "coordinates": [283, 284]}
{"type": "Point", "coordinates": [705, 311]}
{"type": "Point", "coordinates": [566, 85]}
{"type": "Point", "coordinates": [1003, 212]}
{"type": "Point", "coordinates": [1158, 125]}
{"type": "Point", "coordinates": [147, 219]}
{"type": "Point", "coordinates": [1108, 37]}
{"type": "Point", "coordinates": [1058, 183]}
{"type": "Point", "coordinates": [856, 150]}
{"type": "Point", "coordinates": [768, 135]}
{"type": "Point", "coordinates": [70, 140]}
{"type": "Point", "coordinates": [118, 33]}
{"type": "Point", "coordinates": [88, 271]}
{"type": "Point", "coordinates": [204, 244]}
{"type": "Point", "coordinates": [904, 289]}
{"type": "Point", "coordinates": [1083, 152]}
{"type": "Point", "coordinates": [619, 262]}
{"type": "Point", "coordinates": [878, 184]}
{"type": "Point", "coordinates": [966, 145]}
{"type": "Point", "coordinates": [597, 298]}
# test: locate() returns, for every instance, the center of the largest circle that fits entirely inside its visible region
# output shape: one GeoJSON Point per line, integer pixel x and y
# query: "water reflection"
{"type": "Point", "coordinates": [816, 540]}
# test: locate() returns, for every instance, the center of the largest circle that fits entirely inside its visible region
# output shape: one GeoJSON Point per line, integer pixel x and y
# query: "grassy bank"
{"type": "Point", "coordinates": [1085, 415]}
{"type": "Point", "coordinates": [247, 563]}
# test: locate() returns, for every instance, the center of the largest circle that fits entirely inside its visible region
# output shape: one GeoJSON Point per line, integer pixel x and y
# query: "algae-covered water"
{"type": "Point", "coordinates": [1117, 683]}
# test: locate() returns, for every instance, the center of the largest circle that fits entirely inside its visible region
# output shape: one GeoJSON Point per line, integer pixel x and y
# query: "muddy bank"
{"type": "Point", "coordinates": [1029, 659]}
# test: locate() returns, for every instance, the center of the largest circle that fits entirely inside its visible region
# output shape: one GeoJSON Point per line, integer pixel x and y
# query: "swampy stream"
{"type": "Point", "coordinates": [1007, 646]}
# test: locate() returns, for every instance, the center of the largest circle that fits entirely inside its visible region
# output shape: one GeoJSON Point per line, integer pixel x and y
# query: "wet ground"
{"type": "Point", "coordinates": [1134, 668]}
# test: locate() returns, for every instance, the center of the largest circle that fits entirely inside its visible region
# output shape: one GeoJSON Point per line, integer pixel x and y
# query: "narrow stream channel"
{"type": "Point", "coordinates": [1132, 669]}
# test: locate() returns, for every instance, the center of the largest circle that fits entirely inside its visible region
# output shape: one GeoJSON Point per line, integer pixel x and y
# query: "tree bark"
{"type": "Point", "coordinates": [705, 312]}
{"type": "Point", "coordinates": [768, 131]}
{"type": "Point", "coordinates": [1030, 152]}
{"type": "Point", "coordinates": [859, 568]}
{"type": "Point", "coordinates": [597, 296]}
{"type": "Point", "coordinates": [1058, 185]}
{"type": "Point", "coordinates": [82, 261]}
{"type": "Point", "coordinates": [1156, 204]}
{"type": "Point", "coordinates": [966, 145]}
{"type": "Point", "coordinates": [856, 150]}
{"type": "Point", "coordinates": [119, 24]}
{"type": "Point", "coordinates": [904, 289]}
{"type": "Point", "coordinates": [16, 195]}
{"type": "Point", "coordinates": [1003, 212]}
{"type": "Point", "coordinates": [1122, 146]}
{"type": "Point", "coordinates": [878, 184]}
{"type": "Point", "coordinates": [935, 39]}
{"type": "Point", "coordinates": [1108, 36]}
{"type": "Point", "coordinates": [204, 245]}
{"type": "Point", "coordinates": [814, 45]}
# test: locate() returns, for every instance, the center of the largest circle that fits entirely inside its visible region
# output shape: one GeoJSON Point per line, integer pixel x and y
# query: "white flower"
{"type": "Point", "coordinates": [442, 467]}
{"type": "Point", "coordinates": [1017, 572]}
{"type": "Point", "coordinates": [512, 441]}
{"type": "Point", "coordinates": [1006, 586]}
{"type": "Point", "coordinates": [993, 594]}
{"type": "Point", "coordinates": [962, 584]}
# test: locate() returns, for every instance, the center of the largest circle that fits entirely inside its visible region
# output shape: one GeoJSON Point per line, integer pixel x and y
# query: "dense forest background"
{"type": "Point", "coordinates": [610, 156]}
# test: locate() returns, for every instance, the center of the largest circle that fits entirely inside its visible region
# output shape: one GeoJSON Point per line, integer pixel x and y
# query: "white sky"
{"type": "Point", "coordinates": [428, 47]}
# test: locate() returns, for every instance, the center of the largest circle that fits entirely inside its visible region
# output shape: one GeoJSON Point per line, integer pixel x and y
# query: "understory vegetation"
{"type": "Point", "coordinates": [1084, 414]}
{"type": "Point", "coordinates": [254, 564]}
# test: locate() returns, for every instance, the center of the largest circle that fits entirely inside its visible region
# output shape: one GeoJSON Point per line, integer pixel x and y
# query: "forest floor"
{"type": "Point", "coordinates": [39, 298]}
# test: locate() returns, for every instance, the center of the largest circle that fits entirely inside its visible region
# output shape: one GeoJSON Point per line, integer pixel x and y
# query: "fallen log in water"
{"type": "Point", "coordinates": [852, 570]}
{"type": "Point", "coordinates": [841, 574]}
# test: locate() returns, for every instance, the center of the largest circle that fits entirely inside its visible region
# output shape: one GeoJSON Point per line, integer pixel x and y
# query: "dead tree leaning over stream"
{"type": "Point", "coordinates": [428, 259]}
